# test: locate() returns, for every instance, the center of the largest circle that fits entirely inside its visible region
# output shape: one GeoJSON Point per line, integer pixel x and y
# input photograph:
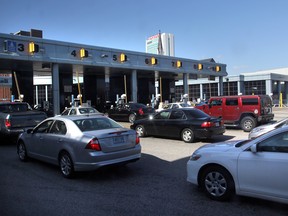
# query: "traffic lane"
{"type": "Point", "coordinates": [155, 185]}
{"type": "Point", "coordinates": [185, 149]}
{"type": "Point", "coordinates": [174, 149]}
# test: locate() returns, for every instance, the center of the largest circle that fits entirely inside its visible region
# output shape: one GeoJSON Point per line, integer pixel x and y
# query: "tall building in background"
{"type": "Point", "coordinates": [153, 44]}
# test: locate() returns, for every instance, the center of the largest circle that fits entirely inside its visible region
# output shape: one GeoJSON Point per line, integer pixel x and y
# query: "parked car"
{"type": "Point", "coordinates": [80, 111]}
{"type": "Point", "coordinates": [266, 128]}
{"type": "Point", "coordinates": [175, 106]}
{"type": "Point", "coordinates": [79, 143]}
{"type": "Point", "coordinates": [182, 123]}
{"type": "Point", "coordinates": [255, 168]}
{"type": "Point", "coordinates": [130, 112]}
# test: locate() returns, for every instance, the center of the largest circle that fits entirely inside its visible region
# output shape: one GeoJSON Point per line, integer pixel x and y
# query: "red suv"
{"type": "Point", "coordinates": [246, 111]}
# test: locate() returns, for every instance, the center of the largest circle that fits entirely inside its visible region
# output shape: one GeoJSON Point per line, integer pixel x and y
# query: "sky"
{"type": "Point", "coordinates": [246, 35]}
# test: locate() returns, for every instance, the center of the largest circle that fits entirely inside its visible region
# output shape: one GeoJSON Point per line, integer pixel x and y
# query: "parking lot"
{"type": "Point", "coordinates": [154, 185]}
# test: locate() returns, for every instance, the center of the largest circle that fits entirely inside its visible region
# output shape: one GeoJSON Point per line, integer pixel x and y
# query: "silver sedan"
{"type": "Point", "coordinates": [260, 130]}
{"type": "Point", "coordinates": [79, 143]}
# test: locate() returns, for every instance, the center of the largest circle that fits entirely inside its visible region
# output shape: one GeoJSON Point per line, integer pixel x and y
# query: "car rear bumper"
{"type": "Point", "coordinates": [266, 118]}
{"type": "Point", "coordinates": [96, 161]}
{"type": "Point", "coordinates": [207, 133]}
{"type": "Point", "coordinates": [12, 132]}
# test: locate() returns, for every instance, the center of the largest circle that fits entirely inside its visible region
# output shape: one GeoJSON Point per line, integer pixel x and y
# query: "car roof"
{"type": "Point", "coordinates": [76, 117]}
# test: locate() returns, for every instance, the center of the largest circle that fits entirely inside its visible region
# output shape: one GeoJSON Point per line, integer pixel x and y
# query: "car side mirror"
{"type": "Point", "coordinates": [30, 131]}
{"type": "Point", "coordinates": [253, 148]}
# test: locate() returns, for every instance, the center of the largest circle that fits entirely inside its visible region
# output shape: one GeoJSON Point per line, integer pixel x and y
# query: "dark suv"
{"type": "Point", "coordinates": [246, 111]}
{"type": "Point", "coordinates": [130, 112]}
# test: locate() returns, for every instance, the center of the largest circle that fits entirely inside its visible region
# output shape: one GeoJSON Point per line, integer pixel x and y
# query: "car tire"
{"type": "Point", "coordinates": [187, 135]}
{"type": "Point", "coordinates": [21, 151]}
{"type": "Point", "coordinates": [132, 118]}
{"type": "Point", "coordinates": [66, 165]}
{"type": "Point", "coordinates": [140, 130]}
{"type": "Point", "coordinates": [217, 183]}
{"type": "Point", "coordinates": [248, 123]}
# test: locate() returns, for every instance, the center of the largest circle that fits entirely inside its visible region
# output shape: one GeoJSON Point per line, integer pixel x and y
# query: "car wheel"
{"type": "Point", "coordinates": [140, 130]}
{"type": "Point", "coordinates": [248, 123]}
{"type": "Point", "coordinates": [66, 165]}
{"type": "Point", "coordinates": [187, 135]}
{"type": "Point", "coordinates": [132, 118]}
{"type": "Point", "coordinates": [217, 183]}
{"type": "Point", "coordinates": [21, 150]}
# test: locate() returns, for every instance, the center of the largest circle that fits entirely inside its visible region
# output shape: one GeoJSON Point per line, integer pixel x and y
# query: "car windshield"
{"type": "Point", "coordinates": [138, 105]}
{"type": "Point", "coordinates": [90, 124]}
{"type": "Point", "coordinates": [87, 110]}
{"type": "Point", "coordinates": [195, 113]}
{"type": "Point", "coordinates": [185, 105]}
{"type": "Point", "coordinates": [13, 107]}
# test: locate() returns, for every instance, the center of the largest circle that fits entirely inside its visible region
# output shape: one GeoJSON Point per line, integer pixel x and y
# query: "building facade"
{"type": "Point", "coordinates": [167, 43]}
{"type": "Point", "coordinates": [270, 82]}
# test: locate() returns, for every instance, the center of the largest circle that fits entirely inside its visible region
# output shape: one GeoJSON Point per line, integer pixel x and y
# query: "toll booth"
{"type": "Point", "coordinates": [97, 74]}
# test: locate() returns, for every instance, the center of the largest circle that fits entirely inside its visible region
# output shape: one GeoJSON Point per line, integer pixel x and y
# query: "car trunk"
{"type": "Point", "coordinates": [111, 140]}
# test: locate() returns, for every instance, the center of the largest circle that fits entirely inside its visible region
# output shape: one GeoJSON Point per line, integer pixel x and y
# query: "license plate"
{"type": "Point", "coordinates": [117, 140]}
{"type": "Point", "coordinates": [217, 124]}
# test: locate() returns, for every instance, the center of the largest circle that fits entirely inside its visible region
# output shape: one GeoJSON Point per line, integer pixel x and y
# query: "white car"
{"type": "Point", "coordinates": [255, 168]}
{"type": "Point", "coordinates": [80, 111]}
{"type": "Point", "coordinates": [266, 128]}
{"type": "Point", "coordinates": [175, 106]}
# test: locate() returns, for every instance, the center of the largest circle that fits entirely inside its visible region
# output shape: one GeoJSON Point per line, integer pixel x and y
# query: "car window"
{"type": "Point", "coordinates": [65, 112]}
{"type": "Point", "coordinates": [249, 101]}
{"type": "Point", "coordinates": [83, 110]}
{"type": "Point", "coordinates": [196, 113]}
{"type": "Point", "coordinates": [277, 143]}
{"type": "Point", "coordinates": [138, 106]}
{"type": "Point", "coordinates": [96, 124]}
{"type": "Point", "coordinates": [162, 115]}
{"type": "Point", "coordinates": [185, 105]}
{"type": "Point", "coordinates": [217, 102]}
{"type": "Point", "coordinates": [58, 127]}
{"type": "Point", "coordinates": [232, 101]}
{"type": "Point", "coordinates": [177, 114]}
{"type": "Point", "coordinates": [87, 110]}
{"type": "Point", "coordinates": [175, 106]}
{"type": "Point", "coordinates": [73, 112]}
{"type": "Point", "coordinates": [43, 127]}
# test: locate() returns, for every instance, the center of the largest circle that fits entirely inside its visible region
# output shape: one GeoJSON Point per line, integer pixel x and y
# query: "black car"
{"type": "Point", "coordinates": [184, 123]}
{"type": "Point", "coordinates": [130, 112]}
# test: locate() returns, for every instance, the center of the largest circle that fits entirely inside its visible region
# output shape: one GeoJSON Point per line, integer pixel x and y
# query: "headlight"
{"type": "Point", "coordinates": [195, 157]}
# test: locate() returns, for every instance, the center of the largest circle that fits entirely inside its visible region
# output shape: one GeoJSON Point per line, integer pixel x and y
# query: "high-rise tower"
{"type": "Point", "coordinates": [153, 44]}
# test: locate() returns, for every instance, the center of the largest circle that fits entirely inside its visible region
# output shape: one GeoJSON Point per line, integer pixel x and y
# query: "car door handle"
{"type": "Point", "coordinates": [60, 140]}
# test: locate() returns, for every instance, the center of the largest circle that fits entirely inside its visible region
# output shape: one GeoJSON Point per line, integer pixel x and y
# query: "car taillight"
{"type": "Point", "coordinates": [93, 145]}
{"type": "Point", "coordinates": [7, 122]}
{"type": "Point", "coordinates": [140, 111]}
{"type": "Point", "coordinates": [207, 124]}
{"type": "Point", "coordinates": [137, 139]}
